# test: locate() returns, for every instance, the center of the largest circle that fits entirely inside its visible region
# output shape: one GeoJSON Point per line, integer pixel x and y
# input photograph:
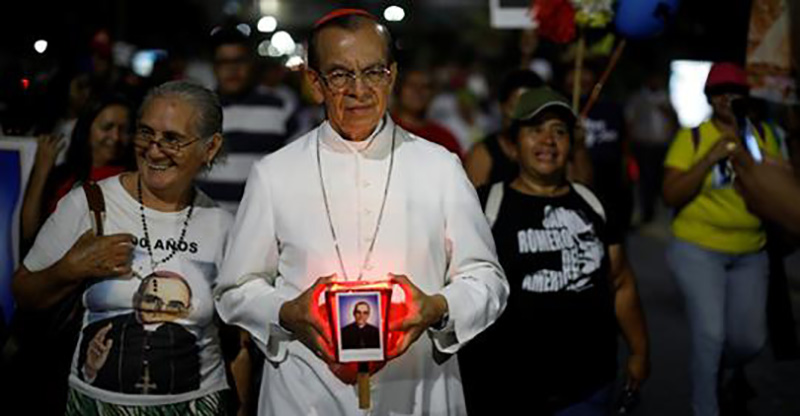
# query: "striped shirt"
{"type": "Point", "coordinates": [253, 126]}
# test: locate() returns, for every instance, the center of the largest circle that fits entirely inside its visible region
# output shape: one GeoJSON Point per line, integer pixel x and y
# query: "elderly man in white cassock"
{"type": "Point", "coordinates": [359, 198]}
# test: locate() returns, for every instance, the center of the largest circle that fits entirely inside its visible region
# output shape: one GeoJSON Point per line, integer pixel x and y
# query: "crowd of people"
{"type": "Point", "coordinates": [188, 234]}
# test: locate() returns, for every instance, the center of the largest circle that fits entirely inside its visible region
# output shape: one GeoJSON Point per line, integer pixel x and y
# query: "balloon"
{"type": "Point", "coordinates": [639, 19]}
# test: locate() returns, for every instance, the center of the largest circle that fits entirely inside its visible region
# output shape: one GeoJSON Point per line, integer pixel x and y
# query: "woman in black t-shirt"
{"type": "Point", "coordinates": [571, 286]}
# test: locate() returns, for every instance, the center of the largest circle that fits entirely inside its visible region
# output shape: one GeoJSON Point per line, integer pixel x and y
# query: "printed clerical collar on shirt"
{"type": "Point", "coordinates": [376, 144]}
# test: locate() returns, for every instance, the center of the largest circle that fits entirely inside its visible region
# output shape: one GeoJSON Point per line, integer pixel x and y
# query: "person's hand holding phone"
{"type": "Point", "coordinates": [745, 128]}
{"type": "Point", "coordinates": [722, 149]}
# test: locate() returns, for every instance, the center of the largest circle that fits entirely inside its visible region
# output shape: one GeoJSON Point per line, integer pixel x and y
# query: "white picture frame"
{"type": "Point", "coordinates": [354, 343]}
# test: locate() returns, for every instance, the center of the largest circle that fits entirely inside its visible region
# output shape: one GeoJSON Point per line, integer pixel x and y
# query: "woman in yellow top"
{"type": "Point", "coordinates": [717, 252]}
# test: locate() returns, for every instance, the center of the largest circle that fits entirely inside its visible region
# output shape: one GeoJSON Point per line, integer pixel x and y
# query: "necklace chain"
{"type": "Point", "coordinates": [380, 213]}
{"type": "Point", "coordinates": [153, 262]}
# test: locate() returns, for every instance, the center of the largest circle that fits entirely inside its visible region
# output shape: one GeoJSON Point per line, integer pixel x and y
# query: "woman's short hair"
{"type": "Point", "coordinates": [204, 101]}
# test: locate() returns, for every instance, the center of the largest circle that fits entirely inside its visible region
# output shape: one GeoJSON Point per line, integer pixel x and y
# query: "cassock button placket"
{"type": "Point", "coordinates": [360, 201]}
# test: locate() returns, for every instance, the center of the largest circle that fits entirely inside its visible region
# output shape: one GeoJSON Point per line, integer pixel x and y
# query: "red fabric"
{"type": "Point", "coordinates": [634, 172]}
{"type": "Point", "coordinates": [723, 73]}
{"type": "Point", "coordinates": [96, 174]}
{"type": "Point", "coordinates": [556, 19]}
{"type": "Point", "coordinates": [101, 43]}
{"type": "Point", "coordinates": [343, 12]}
{"type": "Point", "coordinates": [435, 133]}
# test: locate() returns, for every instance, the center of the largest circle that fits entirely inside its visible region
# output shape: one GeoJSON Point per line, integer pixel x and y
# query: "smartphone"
{"type": "Point", "coordinates": [751, 142]}
{"type": "Point", "coordinates": [747, 131]}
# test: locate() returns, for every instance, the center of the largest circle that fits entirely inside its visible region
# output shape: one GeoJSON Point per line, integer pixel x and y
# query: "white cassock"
{"type": "Point", "coordinates": [432, 230]}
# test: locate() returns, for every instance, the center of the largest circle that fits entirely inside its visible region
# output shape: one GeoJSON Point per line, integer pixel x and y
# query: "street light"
{"type": "Point", "coordinates": [40, 46]}
{"type": "Point", "coordinates": [294, 62]}
{"type": "Point", "coordinates": [394, 13]}
{"type": "Point", "coordinates": [267, 24]}
{"type": "Point", "coordinates": [244, 29]}
{"type": "Point", "coordinates": [283, 42]}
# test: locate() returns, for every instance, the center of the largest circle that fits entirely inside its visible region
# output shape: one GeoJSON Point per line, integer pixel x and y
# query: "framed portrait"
{"type": "Point", "coordinates": [359, 326]}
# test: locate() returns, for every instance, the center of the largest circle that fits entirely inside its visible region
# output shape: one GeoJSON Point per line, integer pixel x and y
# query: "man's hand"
{"type": "Point", "coordinates": [93, 256]}
{"type": "Point", "coordinates": [303, 317]}
{"type": "Point", "coordinates": [637, 369]}
{"type": "Point", "coordinates": [423, 311]}
{"type": "Point", "coordinates": [97, 353]}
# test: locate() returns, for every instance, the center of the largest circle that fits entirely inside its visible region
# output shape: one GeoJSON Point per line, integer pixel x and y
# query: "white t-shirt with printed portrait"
{"type": "Point", "coordinates": [149, 338]}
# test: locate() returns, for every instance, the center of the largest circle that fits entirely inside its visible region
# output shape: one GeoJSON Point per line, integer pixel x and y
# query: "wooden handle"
{"type": "Point", "coordinates": [363, 391]}
{"type": "Point", "coordinates": [576, 74]}
{"type": "Point", "coordinates": [599, 86]}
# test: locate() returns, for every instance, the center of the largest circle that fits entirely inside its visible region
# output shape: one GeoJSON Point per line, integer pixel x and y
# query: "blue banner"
{"type": "Point", "coordinates": [16, 161]}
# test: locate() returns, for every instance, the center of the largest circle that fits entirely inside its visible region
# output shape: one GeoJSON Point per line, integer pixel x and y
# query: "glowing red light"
{"type": "Point", "coordinates": [25, 83]}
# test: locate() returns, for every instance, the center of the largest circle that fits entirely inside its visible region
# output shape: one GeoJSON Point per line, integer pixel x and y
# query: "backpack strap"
{"type": "Point", "coordinates": [493, 202]}
{"type": "Point", "coordinates": [97, 205]}
{"type": "Point", "coordinates": [780, 139]}
{"type": "Point", "coordinates": [590, 199]}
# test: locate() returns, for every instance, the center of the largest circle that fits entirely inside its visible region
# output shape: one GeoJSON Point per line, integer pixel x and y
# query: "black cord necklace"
{"type": "Point", "coordinates": [153, 262]}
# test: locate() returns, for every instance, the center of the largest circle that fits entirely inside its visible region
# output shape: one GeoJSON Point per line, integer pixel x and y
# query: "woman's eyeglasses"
{"type": "Point", "coordinates": [169, 143]}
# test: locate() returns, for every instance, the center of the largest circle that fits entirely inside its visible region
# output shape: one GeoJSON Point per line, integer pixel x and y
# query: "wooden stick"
{"type": "Point", "coordinates": [363, 386]}
{"type": "Point", "coordinates": [576, 75]}
{"type": "Point", "coordinates": [363, 390]}
{"type": "Point", "coordinates": [599, 86]}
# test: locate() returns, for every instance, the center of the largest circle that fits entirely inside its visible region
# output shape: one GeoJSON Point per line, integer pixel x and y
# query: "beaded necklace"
{"type": "Point", "coordinates": [153, 262]}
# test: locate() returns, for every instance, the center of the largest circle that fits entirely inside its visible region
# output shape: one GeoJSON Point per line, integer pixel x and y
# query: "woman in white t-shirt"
{"type": "Point", "coordinates": [149, 342]}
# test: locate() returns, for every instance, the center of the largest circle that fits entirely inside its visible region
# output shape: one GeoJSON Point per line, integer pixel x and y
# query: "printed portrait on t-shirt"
{"type": "Point", "coordinates": [147, 351]}
{"type": "Point", "coordinates": [569, 236]}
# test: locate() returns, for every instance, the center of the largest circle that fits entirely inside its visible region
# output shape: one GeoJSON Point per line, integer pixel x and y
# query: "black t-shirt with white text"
{"type": "Point", "coordinates": [557, 338]}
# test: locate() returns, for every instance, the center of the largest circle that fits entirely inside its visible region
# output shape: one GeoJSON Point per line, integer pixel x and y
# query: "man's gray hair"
{"type": "Point", "coordinates": [203, 100]}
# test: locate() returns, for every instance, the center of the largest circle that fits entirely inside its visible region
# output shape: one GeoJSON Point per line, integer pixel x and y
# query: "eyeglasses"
{"type": "Point", "coordinates": [169, 143]}
{"type": "Point", "coordinates": [373, 77]}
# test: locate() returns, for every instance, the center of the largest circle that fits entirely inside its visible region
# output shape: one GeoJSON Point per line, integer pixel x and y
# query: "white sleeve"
{"type": "Point", "coordinates": [61, 230]}
{"type": "Point", "coordinates": [246, 295]}
{"type": "Point", "coordinates": [476, 290]}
